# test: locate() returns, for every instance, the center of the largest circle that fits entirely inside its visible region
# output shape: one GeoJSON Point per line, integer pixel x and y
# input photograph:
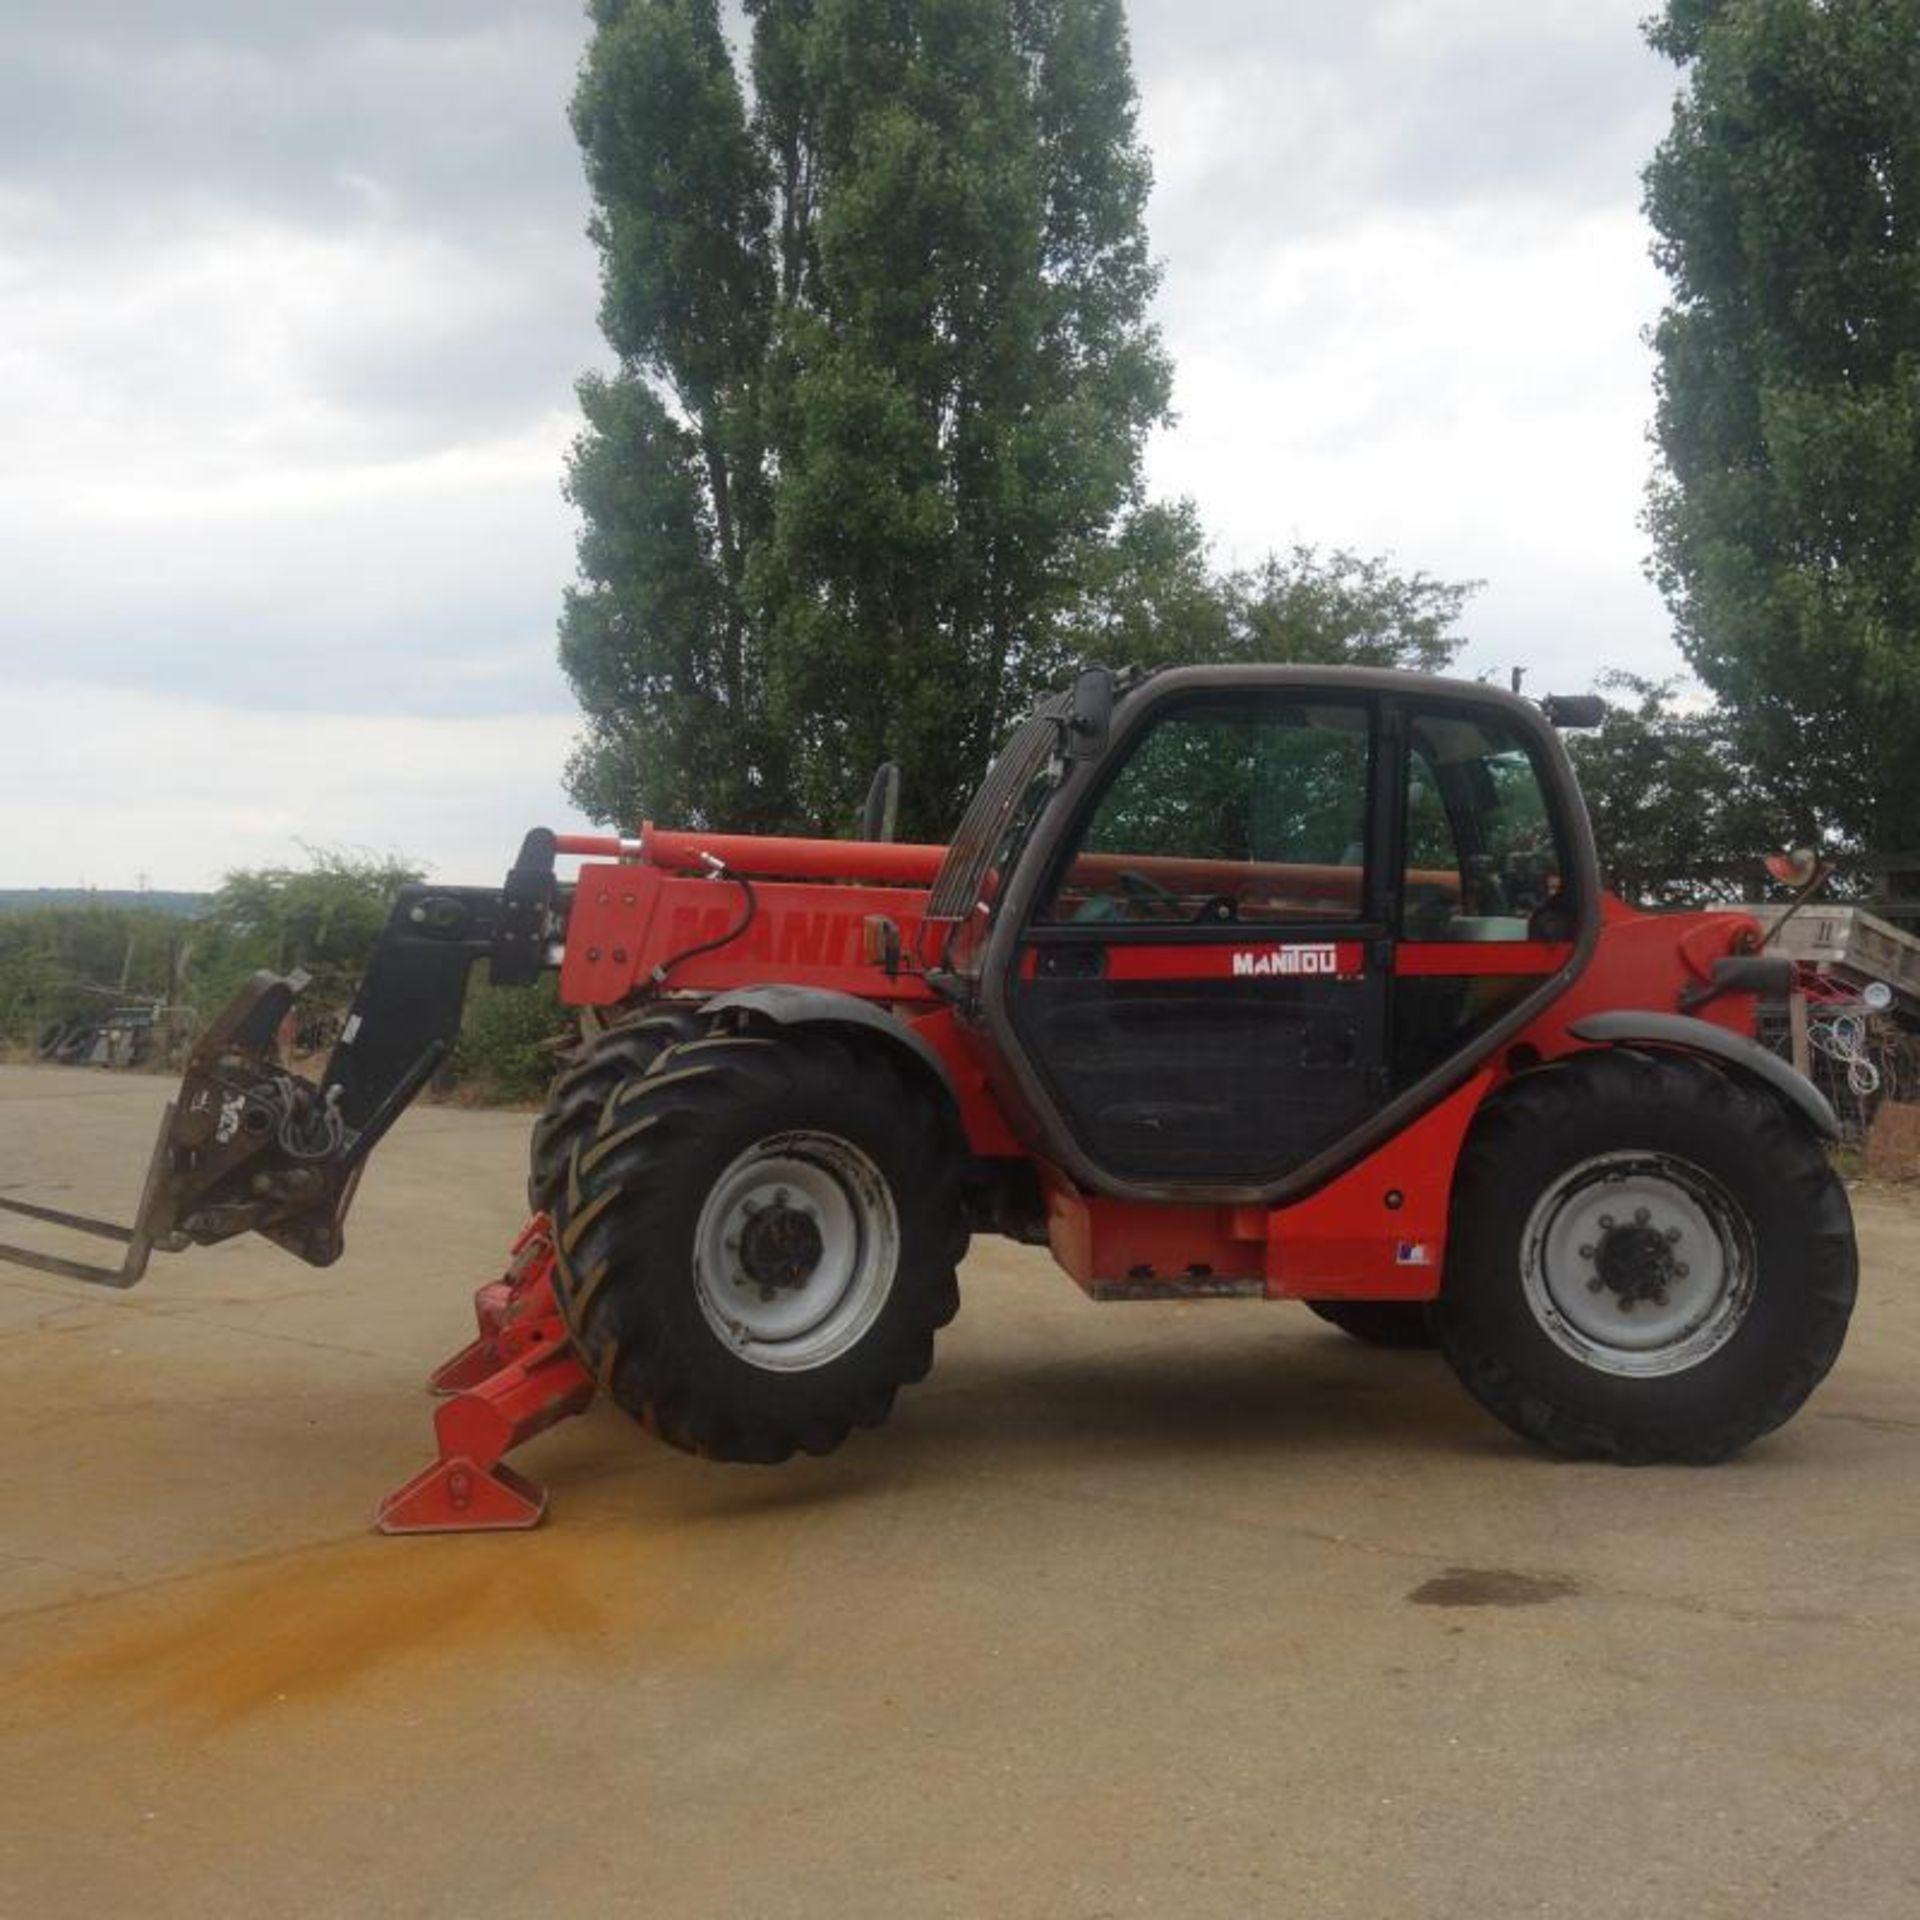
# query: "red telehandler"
{"type": "Point", "coordinates": [1277, 981]}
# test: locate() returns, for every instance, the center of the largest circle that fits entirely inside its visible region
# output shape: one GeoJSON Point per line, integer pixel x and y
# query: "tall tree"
{"type": "Point", "coordinates": [1681, 816]}
{"type": "Point", "coordinates": [884, 377]}
{"type": "Point", "coordinates": [1155, 601]}
{"type": "Point", "coordinates": [1786, 200]}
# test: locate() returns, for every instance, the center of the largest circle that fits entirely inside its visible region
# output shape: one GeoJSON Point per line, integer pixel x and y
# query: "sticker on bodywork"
{"type": "Point", "coordinates": [1299, 959]}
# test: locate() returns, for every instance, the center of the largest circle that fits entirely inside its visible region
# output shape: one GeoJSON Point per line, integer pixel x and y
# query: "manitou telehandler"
{"type": "Point", "coordinates": [1277, 981]}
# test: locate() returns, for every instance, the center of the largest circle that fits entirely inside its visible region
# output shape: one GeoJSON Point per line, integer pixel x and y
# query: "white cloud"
{"type": "Point", "coordinates": [1405, 289]}
{"type": "Point", "coordinates": [291, 304]}
{"type": "Point", "coordinates": [101, 787]}
{"type": "Point", "coordinates": [1468, 391]}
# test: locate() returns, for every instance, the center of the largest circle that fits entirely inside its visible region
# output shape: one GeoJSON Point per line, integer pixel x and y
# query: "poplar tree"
{"type": "Point", "coordinates": [883, 376]}
{"type": "Point", "coordinates": [1786, 523]}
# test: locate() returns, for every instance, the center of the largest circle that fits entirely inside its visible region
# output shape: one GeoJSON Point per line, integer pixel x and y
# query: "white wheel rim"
{"type": "Point", "coordinates": [795, 1250]}
{"type": "Point", "coordinates": [1638, 1264]}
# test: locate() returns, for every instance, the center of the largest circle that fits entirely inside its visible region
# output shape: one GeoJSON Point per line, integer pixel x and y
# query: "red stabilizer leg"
{"type": "Point", "coordinates": [519, 1378]}
{"type": "Point", "coordinates": [523, 1293]}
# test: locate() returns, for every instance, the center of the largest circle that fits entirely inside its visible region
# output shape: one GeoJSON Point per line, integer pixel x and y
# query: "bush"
{"type": "Point", "coordinates": [62, 962]}
{"type": "Point", "coordinates": [509, 1037]}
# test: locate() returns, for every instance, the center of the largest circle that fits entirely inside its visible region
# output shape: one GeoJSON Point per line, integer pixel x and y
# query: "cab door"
{"type": "Point", "coordinates": [1202, 978]}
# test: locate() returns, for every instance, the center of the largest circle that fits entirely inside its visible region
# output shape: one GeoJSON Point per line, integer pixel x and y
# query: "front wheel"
{"type": "Point", "coordinates": [1648, 1260]}
{"type": "Point", "coordinates": [758, 1244]}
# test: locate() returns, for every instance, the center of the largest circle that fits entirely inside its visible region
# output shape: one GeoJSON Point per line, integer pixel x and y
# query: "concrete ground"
{"type": "Point", "coordinates": [1193, 1609]}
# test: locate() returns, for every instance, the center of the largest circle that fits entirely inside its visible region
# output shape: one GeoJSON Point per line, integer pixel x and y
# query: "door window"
{"type": "Point", "coordinates": [1249, 812]}
{"type": "Point", "coordinates": [1483, 861]}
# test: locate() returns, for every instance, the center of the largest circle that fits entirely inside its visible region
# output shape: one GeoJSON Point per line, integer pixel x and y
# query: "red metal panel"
{"type": "Point", "coordinates": [630, 921]}
{"type": "Point", "coordinates": [1454, 958]}
{"type": "Point", "coordinates": [1646, 960]}
{"type": "Point", "coordinates": [1104, 1243]}
{"type": "Point", "coordinates": [981, 1115]}
{"type": "Point", "coordinates": [1378, 1232]}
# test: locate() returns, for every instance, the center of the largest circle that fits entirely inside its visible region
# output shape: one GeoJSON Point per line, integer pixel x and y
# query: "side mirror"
{"type": "Point", "coordinates": [1574, 709]}
{"type": "Point", "coordinates": [1794, 869]}
{"type": "Point", "coordinates": [1089, 714]}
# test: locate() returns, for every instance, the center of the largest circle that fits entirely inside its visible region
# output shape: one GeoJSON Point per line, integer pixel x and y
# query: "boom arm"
{"type": "Point", "coordinates": [246, 1146]}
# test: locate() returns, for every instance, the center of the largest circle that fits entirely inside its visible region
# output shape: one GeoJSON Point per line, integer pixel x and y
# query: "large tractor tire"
{"type": "Point", "coordinates": [593, 1071]}
{"type": "Point", "coordinates": [758, 1245]}
{"type": "Point", "coordinates": [1649, 1260]}
{"type": "Point", "coordinates": [1380, 1323]}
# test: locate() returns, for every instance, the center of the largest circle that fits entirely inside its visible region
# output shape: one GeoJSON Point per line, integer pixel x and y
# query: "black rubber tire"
{"type": "Point", "coordinates": [1768, 1163]}
{"type": "Point", "coordinates": [591, 1074]}
{"type": "Point", "coordinates": [625, 1220]}
{"type": "Point", "coordinates": [1381, 1323]}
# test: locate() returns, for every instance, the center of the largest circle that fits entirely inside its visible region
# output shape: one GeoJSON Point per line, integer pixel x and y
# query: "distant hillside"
{"type": "Point", "coordinates": [188, 905]}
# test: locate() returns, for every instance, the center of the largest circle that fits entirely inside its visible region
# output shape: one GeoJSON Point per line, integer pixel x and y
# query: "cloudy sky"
{"type": "Point", "coordinates": [292, 299]}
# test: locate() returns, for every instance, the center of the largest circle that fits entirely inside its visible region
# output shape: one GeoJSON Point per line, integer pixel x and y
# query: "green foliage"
{"type": "Point", "coordinates": [322, 919]}
{"type": "Point", "coordinates": [1786, 198]}
{"type": "Point", "coordinates": [1680, 815]}
{"type": "Point", "coordinates": [1242, 783]}
{"type": "Point", "coordinates": [68, 962]}
{"type": "Point", "coordinates": [1155, 601]}
{"type": "Point", "coordinates": [509, 1038]}
{"type": "Point", "coordinates": [885, 375]}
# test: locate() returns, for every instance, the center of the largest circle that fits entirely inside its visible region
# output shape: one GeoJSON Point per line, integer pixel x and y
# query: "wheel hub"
{"type": "Point", "coordinates": [794, 1251]}
{"type": "Point", "coordinates": [1637, 1264]}
{"type": "Point", "coordinates": [780, 1246]}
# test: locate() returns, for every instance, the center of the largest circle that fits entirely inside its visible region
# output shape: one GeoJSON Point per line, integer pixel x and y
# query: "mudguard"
{"type": "Point", "coordinates": [821, 1006]}
{"type": "Point", "coordinates": [1629, 1026]}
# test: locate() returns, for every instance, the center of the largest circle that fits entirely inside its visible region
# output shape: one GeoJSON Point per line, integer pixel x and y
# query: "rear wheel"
{"type": "Point", "coordinates": [1380, 1323]}
{"type": "Point", "coordinates": [1648, 1260]}
{"type": "Point", "coordinates": [758, 1245]}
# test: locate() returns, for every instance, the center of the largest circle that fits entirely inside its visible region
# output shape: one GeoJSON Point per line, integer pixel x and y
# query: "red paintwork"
{"type": "Point", "coordinates": [897, 863]}
{"type": "Point", "coordinates": [633, 916]}
{"type": "Point", "coordinates": [1646, 960]}
{"type": "Point", "coordinates": [520, 1376]}
{"type": "Point", "coordinates": [1415, 960]}
{"type": "Point", "coordinates": [630, 920]}
{"type": "Point", "coordinates": [1376, 1232]}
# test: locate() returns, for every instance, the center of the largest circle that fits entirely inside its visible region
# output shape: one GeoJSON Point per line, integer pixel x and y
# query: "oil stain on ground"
{"type": "Point", "coordinates": [1490, 1587]}
{"type": "Point", "coordinates": [335, 1619]}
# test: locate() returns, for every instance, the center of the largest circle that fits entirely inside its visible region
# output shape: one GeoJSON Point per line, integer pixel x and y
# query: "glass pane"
{"type": "Point", "coordinates": [1252, 813]}
{"type": "Point", "coordinates": [1482, 858]}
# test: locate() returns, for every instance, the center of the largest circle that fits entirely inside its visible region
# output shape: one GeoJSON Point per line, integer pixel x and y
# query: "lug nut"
{"type": "Point", "coordinates": [1594, 1285]}
{"type": "Point", "coordinates": [1673, 1233]}
{"type": "Point", "coordinates": [1680, 1267]}
{"type": "Point", "coordinates": [1606, 1223]}
{"type": "Point", "coordinates": [1586, 1253]}
{"type": "Point", "coordinates": [1641, 1216]}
